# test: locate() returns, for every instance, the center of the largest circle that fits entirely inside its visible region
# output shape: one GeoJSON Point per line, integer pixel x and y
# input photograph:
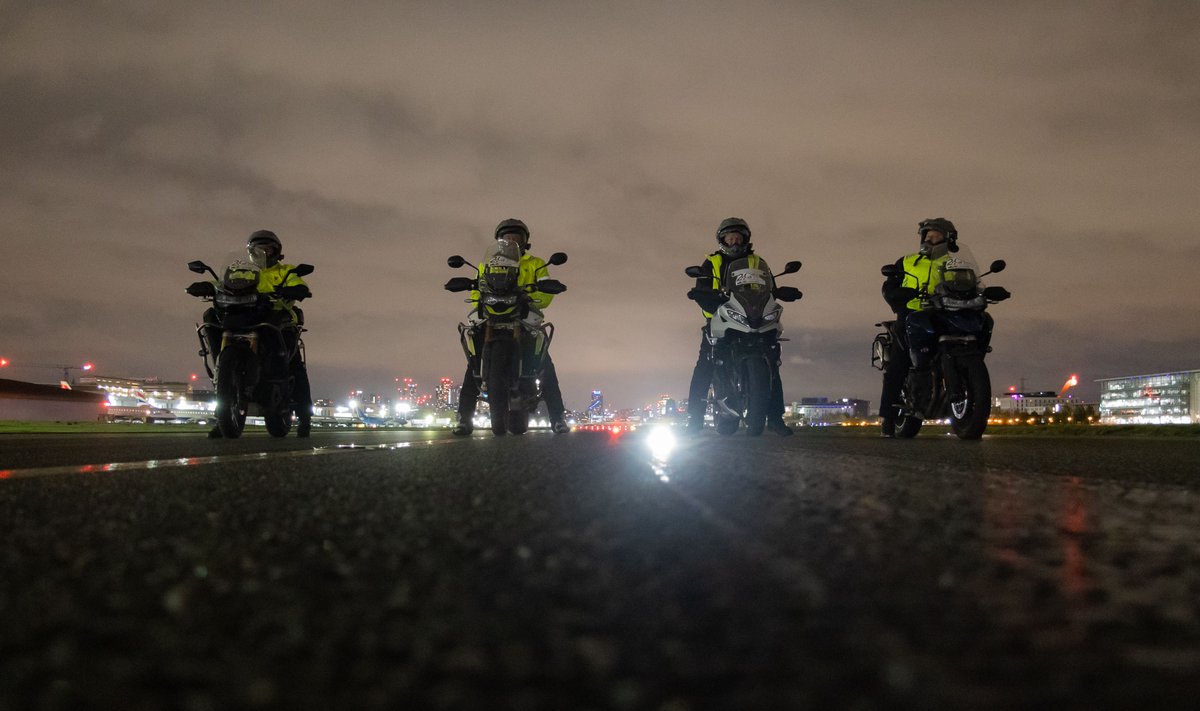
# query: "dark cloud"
{"type": "Point", "coordinates": [380, 138]}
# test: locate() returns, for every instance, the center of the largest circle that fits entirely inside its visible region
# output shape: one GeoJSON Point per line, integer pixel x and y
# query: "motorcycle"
{"type": "Point", "coordinates": [251, 366]}
{"type": "Point", "coordinates": [961, 388]}
{"type": "Point", "coordinates": [507, 337]}
{"type": "Point", "coordinates": [744, 333]}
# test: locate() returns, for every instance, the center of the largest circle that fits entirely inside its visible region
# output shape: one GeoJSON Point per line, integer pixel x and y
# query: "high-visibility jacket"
{"type": "Point", "coordinates": [271, 277]}
{"type": "Point", "coordinates": [716, 268]}
{"type": "Point", "coordinates": [923, 274]}
{"type": "Point", "coordinates": [530, 270]}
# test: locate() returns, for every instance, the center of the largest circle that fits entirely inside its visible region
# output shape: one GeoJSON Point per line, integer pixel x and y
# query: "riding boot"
{"type": "Point", "coordinates": [302, 429]}
{"type": "Point", "coordinates": [779, 427]}
{"type": "Point", "coordinates": [464, 426]}
{"type": "Point", "coordinates": [215, 432]}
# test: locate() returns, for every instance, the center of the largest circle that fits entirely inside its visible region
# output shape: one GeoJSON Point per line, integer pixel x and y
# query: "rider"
{"type": "Point", "coordinates": [914, 336]}
{"type": "Point", "coordinates": [733, 243]}
{"type": "Point", "coordinates": [265, 251]}
{"type": "Point", "coordinates": [531, 270]}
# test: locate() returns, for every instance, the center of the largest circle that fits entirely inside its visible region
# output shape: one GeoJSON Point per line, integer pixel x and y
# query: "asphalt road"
{"type": "Point", "coordinates": [580, 572]}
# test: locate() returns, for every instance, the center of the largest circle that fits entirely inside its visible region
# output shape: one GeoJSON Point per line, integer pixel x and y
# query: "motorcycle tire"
{"type": "Point", "coordinates": [231, 403]}
{"type": "Point", "coordinates": [758, 394]}
{"type": "Point", "coordinates": [278, 423]}
{"type": "Point", "coordinates": [979, 399]}
{"type": "Point", "coordinates": [497, 368]}
{"type": "Point", "coordinates": [907, 424]}
{"type": "Point", "coordinates": [518, 421]}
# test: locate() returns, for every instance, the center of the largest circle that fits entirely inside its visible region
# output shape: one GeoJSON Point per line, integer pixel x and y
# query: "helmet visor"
{"type": "Point", "coordinates": [263, 255]}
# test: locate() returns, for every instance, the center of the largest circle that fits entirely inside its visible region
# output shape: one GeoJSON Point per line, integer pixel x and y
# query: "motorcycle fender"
{"type": "Point", "coordinates": [959, 349]}
{"type": "Point", "coordinates": [251, 339]}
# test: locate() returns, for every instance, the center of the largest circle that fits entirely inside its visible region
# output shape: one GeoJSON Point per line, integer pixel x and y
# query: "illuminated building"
{"type": "Point", "coordinates": [1158, 399]}
{"type": "Point", "coordinates": [1033, 403]}
{"type": "Point", "coordinates": [597, 407]}
{"type": "Point", "coordinates": [821, 410]}
{"type": "Point", "coordinates": [446, 394]}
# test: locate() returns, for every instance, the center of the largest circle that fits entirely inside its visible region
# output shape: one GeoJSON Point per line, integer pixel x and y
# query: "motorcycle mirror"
{"type": "Point", "coordinates": [998, 266]}
{"type": "Point", "coordinates": [694, 272]}
{"type": "Point", "coordinates": [558, 258]}
{"type": "Point", "coordinates": [891, 270]}
{"type": "Point", "coordinates": [551, 286]}
{"type": "Point", "coordinates": [460, 284]}
{"type": "Point", "coordinates": [199, 267]}
{"type": "Point", "coordinates": [791, 268]}
{"type": "Point", "coordinates": [456, 261]}
{"type": "Point", "coordinates": [303, 270]}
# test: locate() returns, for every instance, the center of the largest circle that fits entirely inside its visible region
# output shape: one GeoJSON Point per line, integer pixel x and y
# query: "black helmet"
{"type": "Point", "coordinates": [260, 239]}
{"type": "Point", "coordinates": [940, 225]}
{"type": "Point", "coordinates": [514, 226]}
{"type": "Point", "coordinates": [733, 224]}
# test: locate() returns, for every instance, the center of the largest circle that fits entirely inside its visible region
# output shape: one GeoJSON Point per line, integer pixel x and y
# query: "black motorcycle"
{"type": "Point", "coordinates": [252, 364]}
{"type": "Point", "coordinates": [961, 389]}
{"type": "Point", "coordinates": [744, 335]}
{"type": "Point", "coordinates": [507, 341]}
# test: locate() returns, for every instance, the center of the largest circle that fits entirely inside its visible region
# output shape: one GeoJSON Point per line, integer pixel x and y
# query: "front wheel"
{"type": "Point", "coordinates": [497, 366]}
{"type": "Point", "coordinates": [968, 417]}
{"type": "Point", "coordinates": [758, 394]}
{"type": "Point", "coordinates": [278, 423]}
{"type": "Point", "coordinates": [518, 421]}
{"type": "Point", "coordinates": [231, 400]}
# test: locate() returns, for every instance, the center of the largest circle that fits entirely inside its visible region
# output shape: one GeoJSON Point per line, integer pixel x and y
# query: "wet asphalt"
{"type": "Point", "coordinates": [579, 571]}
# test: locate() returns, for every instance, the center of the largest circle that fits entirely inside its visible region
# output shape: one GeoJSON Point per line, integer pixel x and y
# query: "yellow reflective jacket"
{"type": "Point", "coordinates": [716, 259]}
{"type": "Point", "coordinates": [923, 274]}
{"type": "Point", "coordinates": [531, 269]}
{"type": "Point", "coordinates": [271, 277]}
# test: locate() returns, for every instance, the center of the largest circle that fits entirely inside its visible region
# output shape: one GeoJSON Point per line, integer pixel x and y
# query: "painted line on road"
{"type": "Point", "coordinates": [215, 459]}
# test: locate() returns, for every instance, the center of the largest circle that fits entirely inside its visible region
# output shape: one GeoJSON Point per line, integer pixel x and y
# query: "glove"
{"type": "Point", "coordinates": [202, 288]}
{"type": "Point", "coordinates": [294, 293]}
{"type": "Point", "coordinates": [708, 299]}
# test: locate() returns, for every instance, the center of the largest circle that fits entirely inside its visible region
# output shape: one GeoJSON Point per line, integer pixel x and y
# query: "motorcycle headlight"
{"type": "Point", "coordinates": [773, 316]}
{"type": "Point", "coordinates": [224, 299]}
{"type": "Point", "coordinates": [737, 317]}
{"type": "Point", "coordinates": [493, 300]}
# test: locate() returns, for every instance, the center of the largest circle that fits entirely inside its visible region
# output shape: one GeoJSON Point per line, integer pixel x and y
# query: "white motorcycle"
{"type": "Point", "coordinates": [744, 334]}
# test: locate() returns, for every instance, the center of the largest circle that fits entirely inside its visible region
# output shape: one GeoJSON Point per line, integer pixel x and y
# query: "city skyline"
{"type": "Point", "coordinates": [379, 140]}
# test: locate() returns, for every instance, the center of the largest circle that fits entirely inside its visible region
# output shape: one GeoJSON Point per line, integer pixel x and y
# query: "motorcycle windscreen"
{"type": "Point", "coordinates": [751, 285]}
{"type": "Point", "coordinates": [501, 268]}
{"type": "Point", "coordinates": [239, 282]}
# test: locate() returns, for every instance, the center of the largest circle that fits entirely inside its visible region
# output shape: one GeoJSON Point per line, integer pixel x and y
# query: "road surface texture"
{"type": "Point", "coordinates": [417, 570]}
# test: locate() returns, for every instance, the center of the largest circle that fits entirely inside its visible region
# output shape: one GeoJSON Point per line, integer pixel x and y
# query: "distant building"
{"type": "Point", "coordinates": [823, 411]}
{"type": "Point", "coordinates": [1158, 399]}
{"type": "Point", "coordinates": [446, 393]}
{"type": "Point", "coordinates": [1034, 403]}
{"type": "Point", "coordinates": [150, 398]}
{"type": "Point", "coordinates": [596, 409]}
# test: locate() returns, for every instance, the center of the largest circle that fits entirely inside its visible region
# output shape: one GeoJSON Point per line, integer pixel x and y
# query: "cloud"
{"type": "Point", "coordinates": [380, 138]}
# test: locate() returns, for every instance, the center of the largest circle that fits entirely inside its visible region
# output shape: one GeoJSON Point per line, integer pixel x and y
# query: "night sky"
{"type": "Point", "coordinates": [378, 138]}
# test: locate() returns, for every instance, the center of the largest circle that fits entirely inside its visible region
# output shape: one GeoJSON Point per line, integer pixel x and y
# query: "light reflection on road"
{"type": "Point", "coordinates": [215, 459]}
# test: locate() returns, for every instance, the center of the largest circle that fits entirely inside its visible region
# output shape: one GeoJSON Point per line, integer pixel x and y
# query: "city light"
{"type": "Point", "coordinates": [3, 362]}
{"type": "Point", "coordinates": [87, 366]}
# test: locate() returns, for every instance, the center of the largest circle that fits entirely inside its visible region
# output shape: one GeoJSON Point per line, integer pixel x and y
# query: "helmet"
{"type": "Point", "coordinates": [942, 225]}
{"type": "Point", "coordinates": [733, 224]}
{"type": "Point", "coordinates": [258, 244]}
{"type": "Point", "coordinates": [514, 226]}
